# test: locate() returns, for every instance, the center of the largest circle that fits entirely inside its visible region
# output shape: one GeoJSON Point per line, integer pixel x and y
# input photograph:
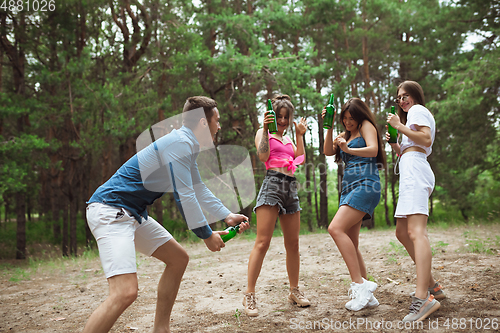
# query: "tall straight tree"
{"type": "Point", "coordinates": [19, 152]}
{"type": "Point", "coordinates": [16, 54]}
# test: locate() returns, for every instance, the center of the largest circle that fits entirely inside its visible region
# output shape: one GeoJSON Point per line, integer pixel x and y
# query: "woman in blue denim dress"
{"type": "Point", "coordinates": [361, 149]}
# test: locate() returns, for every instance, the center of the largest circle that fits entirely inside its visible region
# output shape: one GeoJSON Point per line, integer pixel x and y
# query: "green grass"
{"type": "Point", "coordinates": [370, 278]}
{"type": "Point", "coordinates": [391, 259]}
{"type": "Point", "coordinates": [19, 274]}
{"type": "Point", "coordinates": [237, 315]}
{"type": "Point", "coordinates": [476, 244]}
{"type": "Point", "coordinates": [435, 248]}
{"type": "Point", "coordinates": [396, 248]}
{"type": "Point", "coordinates": [24, 270]}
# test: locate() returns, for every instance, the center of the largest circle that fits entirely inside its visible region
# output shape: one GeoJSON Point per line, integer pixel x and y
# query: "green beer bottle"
{"type": "Point", "coordinates": [232, 232]}
{"type": "Point", "coordinates": [330, 113]}
{"type": "Point", "coordinates": [273, 127]}
{"type": "Point", "coordinates": [393, 133]}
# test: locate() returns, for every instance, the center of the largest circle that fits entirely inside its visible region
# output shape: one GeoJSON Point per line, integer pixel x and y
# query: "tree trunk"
{"type": "Point", "coordinates": [368, 222]}
{"type": "Point", "coordinates": [308, 167]}
{"type": "Point", "coordinates": [158, 208]}
{"type": "Point", "coordinates": [15, 52]}
{"type": "Point", "coordinates": [88, 234]}
{"type": "Point", "coordinates": [21, 225]}
{"type": "Point", "coordinates": [393, 189]}
{"type": "Point", "coordinates": [72, 222]}
{"type": "Point", "coordinates": [431, 204]}
{"type": "Point", "coordinates": [134, 44]}
{"type": "Point", "coordinates": [3, 19]}
{"type": "Point", "coordinates": [85, 195]}
{"type": "Point", "coordinates": [323, 172]}
{"type": "Point", "coordinates": [247, 211]}
{"type": "Point", "coordinates": [172, 207]}
{"type": "Point", "coordinates": [315, 196]}
{"type": "Point", "coordinates": [386, 206]}
{"type": "Point", "coordinates": [65, 230]}
{"type": "Point", "coordinates": [323, 179]}
{"type": "Point", "coordinates": [340, 178]}
{"type": "Point", "coordinates": [354, 89]}
{"type": "Point", "coordinates": [6, 200]}
{"type": "Point", "coordinates": [28, 205]}
{"type": "Point", "coordinates": [404, 65]}
{"type": "Point", "coordinates": [323, 193]}
{"type": "Point", "coordinates": [464, 215]}
{"type": "Point", "coordinates": [55, 197]}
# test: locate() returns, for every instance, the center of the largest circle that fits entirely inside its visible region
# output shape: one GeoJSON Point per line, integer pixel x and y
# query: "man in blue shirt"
{"type": "Point", "coordinates": [119, 221]}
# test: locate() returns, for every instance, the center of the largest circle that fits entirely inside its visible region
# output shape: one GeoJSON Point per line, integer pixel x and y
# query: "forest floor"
{"type": "Point", "coordinates": [59, 296]}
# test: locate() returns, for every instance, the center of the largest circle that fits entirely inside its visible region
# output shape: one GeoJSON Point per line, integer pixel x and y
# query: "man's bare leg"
{"type": "Point", "coordinates": [122, 292]}
{"type": "Point", "coordinates": [176, 259]}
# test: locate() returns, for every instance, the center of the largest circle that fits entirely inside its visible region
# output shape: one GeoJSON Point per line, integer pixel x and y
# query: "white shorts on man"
{"type": "Point", "coordinates": [119, 235]}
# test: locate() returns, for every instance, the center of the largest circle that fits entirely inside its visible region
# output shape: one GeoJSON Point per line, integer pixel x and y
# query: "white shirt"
{"type": "Point", "coordinates": [419, 115]}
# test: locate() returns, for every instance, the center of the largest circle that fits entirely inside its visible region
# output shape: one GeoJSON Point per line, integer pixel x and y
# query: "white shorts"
{"type": "Point", "coordinates": [118, 235]}
{"type": "Point", "coordinates": [416, 183]}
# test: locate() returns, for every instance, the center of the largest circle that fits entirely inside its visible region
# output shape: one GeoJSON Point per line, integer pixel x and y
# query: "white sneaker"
{"type": "Point", "coordinates": [372, 286]}
{"type": "Point", "coordinates": [361, 295]}
{"type": "Point", "coordinates": [373, 302]}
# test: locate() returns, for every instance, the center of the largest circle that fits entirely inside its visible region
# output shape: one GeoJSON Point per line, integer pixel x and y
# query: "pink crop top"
{"type": "Point", "coordinates": [282, 155]}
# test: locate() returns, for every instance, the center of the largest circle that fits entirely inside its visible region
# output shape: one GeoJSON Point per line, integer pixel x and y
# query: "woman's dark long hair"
{"type": "Point", "coordinates": [415, 91]}
{"type": "Point", "coordinates": [359, 112]}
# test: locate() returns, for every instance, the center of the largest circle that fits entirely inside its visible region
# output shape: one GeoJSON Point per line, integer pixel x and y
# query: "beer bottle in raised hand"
{"type": "Point", "coordinates": [330, 114]}
{"type": "Point", "coordinates": [273, 127]}
{"type": "Point", "coordinates": [393, 133]}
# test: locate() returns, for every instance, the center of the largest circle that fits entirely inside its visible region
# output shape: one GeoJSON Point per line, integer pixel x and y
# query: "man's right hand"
{"type": "Point", "coordinates": [214, 243]}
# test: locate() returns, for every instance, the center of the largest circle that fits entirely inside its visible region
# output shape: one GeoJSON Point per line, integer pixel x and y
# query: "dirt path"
{"type": "Point", "coordinates": [60, 298]}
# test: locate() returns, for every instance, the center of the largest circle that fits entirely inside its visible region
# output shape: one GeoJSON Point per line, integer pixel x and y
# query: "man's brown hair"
{"type": "Point", "coordinates": [196, 102]}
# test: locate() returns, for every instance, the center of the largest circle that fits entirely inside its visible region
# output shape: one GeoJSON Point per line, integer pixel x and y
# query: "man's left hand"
{"type": "Point", "coordinates": [235, 219]}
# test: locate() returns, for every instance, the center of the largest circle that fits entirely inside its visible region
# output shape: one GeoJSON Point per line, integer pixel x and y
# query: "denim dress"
{"type": "Point", "coordinates": [361, 183]}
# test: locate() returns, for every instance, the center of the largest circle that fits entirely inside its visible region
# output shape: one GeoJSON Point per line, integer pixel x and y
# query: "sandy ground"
{"type": "Point", "coordinates": [60, 297]}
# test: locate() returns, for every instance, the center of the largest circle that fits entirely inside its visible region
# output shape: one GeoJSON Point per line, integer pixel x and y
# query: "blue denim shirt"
{"type": "Point", "coordinates": [166, 165]}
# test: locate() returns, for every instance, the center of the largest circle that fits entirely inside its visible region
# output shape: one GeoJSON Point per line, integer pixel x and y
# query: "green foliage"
{"type": "Point", "coordinates": [468, 113]}
{"type": "Point", "coordinates": [17, 168]}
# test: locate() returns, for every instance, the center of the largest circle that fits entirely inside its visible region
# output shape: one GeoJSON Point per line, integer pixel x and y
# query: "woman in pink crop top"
{"type": "Point", "coordinates": [278, 198]}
